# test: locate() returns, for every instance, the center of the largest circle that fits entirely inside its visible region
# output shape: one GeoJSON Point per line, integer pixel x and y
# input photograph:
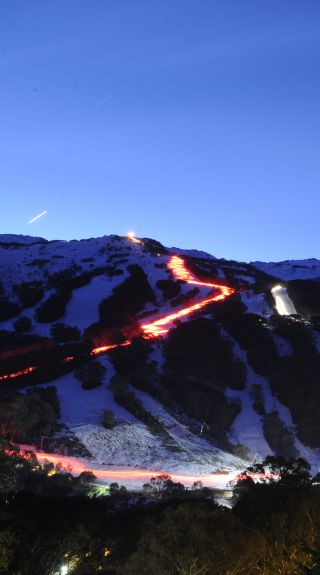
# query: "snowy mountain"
{"type": "Point", "coordinates": [160, 359]}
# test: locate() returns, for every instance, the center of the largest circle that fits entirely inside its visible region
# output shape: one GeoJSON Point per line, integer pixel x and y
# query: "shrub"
{"type": "Point", "coordinates": [25, 417]}
{"type": "Point", "coordinates": [53, 308]}
{"type": "Point", "coordinates": [127, 299]}
{"type": "Point", "coordinates": [296, 332]}
{"type": "Point", "coordinates": [306, 296]}
{"type": "Point", "coordinates": [169, 288]}
{"type": "Point", "coordinates": [253, 335]}
{"type": "Point", "coordinates": [280, 439]}
{"type": "Point", "coordinates": [62, 333]}
{"type": "Point", "coordinates": [127, 399]}
{"type": "Point", "coordinates": [258, 399]}
{"type": "Point", "coordinates": [29, 293]}
{"type": "Point", "coordinates": [108, 419]}
{"type": "Point", "coordinates": [198, 350]}
{"type": "Point", "coordinates": [91, 375]}
{"type": "Point", "coordinates": [8, 309]}
{"type": "Point", "coordinates": [22, 324]}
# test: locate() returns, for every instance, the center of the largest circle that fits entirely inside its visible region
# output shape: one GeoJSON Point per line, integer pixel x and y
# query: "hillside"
{"type": "Point", "coordinates": [132, 356]}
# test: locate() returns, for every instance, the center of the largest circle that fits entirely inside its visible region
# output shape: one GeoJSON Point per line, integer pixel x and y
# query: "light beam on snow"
{"type": "Point", "coordinates": [38, 217]}
{"type": "Point", "coordinates": [284, 303]}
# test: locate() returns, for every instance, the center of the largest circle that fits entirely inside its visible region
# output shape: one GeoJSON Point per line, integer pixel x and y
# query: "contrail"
{"type": "Point", "coordinates": [104, 100]}
{"type": "Point", "coordinates": [37, 217]}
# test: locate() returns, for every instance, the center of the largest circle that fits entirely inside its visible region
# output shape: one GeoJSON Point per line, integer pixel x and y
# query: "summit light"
{"type": "Point", "coordinates": [131, 236]}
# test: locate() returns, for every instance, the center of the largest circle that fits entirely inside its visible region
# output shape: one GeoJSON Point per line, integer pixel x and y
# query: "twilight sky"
{"type": "Point", "coordinates": [194, 122]}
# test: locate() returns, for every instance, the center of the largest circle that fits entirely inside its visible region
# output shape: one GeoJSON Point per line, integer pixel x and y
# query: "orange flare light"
{"type": "Point", "coordinates": [18, 373]}
{"type": "Point", "coordinates": [177, 266]}
{"type": "Point", "coordinates": [105, 348]}
{"type": "Point", "coordinates": [159, 326]}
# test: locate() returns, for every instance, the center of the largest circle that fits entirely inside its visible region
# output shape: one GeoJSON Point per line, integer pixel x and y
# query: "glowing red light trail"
{"type": "Point", "coordinates": [180, 272]}
{"type": "Point", "coordinates": [18, 373]}
{"type": "Point", "coordinates": [76, 467]}
{"type": "Point", "coordinates": [159, 326]}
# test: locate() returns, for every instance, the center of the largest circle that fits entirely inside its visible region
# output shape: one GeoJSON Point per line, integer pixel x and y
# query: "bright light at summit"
{"type": "Point", "coordinates": [131, 236]}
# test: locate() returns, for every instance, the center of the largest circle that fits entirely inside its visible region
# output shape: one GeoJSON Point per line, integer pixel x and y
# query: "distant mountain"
{"type": "Point", "coordinates": [131, 354]}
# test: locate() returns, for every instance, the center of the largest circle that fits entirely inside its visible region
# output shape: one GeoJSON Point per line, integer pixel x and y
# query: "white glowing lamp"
{"type": "Point", "coordinates": [131, 236]}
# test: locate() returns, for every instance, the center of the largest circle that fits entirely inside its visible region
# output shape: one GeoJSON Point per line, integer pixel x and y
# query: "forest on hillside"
{"type": "Point", "coordinates": [52, 523]}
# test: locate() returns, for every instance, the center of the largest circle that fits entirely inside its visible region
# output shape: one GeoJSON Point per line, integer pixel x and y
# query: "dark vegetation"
{"type": "Point", "coordinates": [186, 298]}
{"type": "Point", "coordinates": [127, 299]}
{"type": "Point", "coordinates": [254, 336]}
{"type": "Point", "coordinates": [22, 324]}
{"type": "Point", "coordinates": [62, 333]}
{"type": "Point", "coordinates": [8, 309]}
{"type": "Point", "coordinates": [64, 283]}
{"type": "Point", "coordinates": [294, 379]}
{"type": "Point", "coordinates": [169, 288]}
{"type": "Point", "coordinates": [108, 419]}
{"type": "Point", "coordinates": [20, 351]}
{"type": "Point", "coordinates": [273, 527]}
{"type": "Point", "coordinates": [199, 366]}
{"type": "Point", "coordinates": [29, 293]}
{"type": "Point", "coordinates": [296, 333]}
{"type": "Point", "coordinates": [13, 342]}
{"type": "Point", "coordinates": [280, 439]}
{"type": "Point", "coordinates": [306, 297]}
{"type": "Point", "coordinates": [91, 374]}
{"type": "Point", "coordinates": [127, 399]}
{"type": "Point", "coordinates": [53, 308]}
{"type": "Point", "coordinates": [153, 247]}
{"type": "Point", "coordinates": [27, 417]}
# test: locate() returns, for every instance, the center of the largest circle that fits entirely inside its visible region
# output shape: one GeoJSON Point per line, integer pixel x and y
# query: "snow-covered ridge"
{"type": "Point", "coordinates": [291, 269]}
{"type": "Point", "coordinates": [104, 263]}
{"type": "Point", "coordinates": [192, 253]}
{"type": "Point", "coordinates": [20, 239]}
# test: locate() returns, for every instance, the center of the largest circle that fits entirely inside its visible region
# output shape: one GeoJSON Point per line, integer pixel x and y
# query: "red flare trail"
{"type": "Point", "coordinates": [161, 325]}
{"type": "Point", "coordinates": [76, 466]}
{"type": "Point", "coordinates": [177, 266]}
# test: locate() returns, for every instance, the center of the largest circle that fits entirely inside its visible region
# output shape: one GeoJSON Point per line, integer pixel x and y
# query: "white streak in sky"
{"type": "Point", "coordinates": [106, 99]}
{"type": "Point", "coordinates": [37, 217]}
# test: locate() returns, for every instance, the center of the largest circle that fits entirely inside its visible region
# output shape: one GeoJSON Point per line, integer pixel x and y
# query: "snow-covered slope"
{"type": "Point", "coordinates": [291, 269]}
{"type": "Point", "coordinates": [196, 411]}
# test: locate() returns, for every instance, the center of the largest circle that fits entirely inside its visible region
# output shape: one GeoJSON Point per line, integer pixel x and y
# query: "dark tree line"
{"type": "Point", "coordinates": [49, 521]}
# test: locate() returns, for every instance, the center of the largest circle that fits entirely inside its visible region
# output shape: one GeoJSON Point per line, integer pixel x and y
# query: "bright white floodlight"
{"type": "Point", "coordinates": [284, 304]}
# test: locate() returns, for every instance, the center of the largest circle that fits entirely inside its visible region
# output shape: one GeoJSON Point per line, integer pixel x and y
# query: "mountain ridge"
{"type": "Point", "coordinates": [214, 393]}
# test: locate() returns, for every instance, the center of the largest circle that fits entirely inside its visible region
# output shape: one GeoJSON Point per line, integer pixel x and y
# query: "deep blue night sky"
{"type": "Point", "coordinates": [195, 122]}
